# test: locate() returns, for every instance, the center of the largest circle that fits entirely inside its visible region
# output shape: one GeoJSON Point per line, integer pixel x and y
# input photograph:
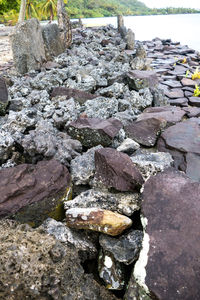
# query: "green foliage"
{"type": "Point", "coordinates": [197, 91]}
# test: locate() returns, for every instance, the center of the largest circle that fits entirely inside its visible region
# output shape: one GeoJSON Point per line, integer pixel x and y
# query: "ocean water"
{"type": "Point", "coordinates": [181, 28]}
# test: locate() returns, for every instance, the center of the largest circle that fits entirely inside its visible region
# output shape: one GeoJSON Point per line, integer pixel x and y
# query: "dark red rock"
{"type": "Point", "coordinates": [194, 101]}
{"type": "Point", "coordinates": [175, 93]}
{"type": "Point", "coordinates": [171, 206]}
{"type": "Point", "coordinates": [94, 131]}
{"type": "Point", "coordinates": [31, 193]}
{"type": "Point", "coordinates": [142, 79]}
{"type": "Point", "coordinates": [171, 114]}
{"type": "Point", "coordinates": [115, 169]}
{"type": "Point", "coordinates": [80, 96]}
{"type": "Point", "coordinates": [182, 102]}
{"type": "Point", "coordinates": [146, 131]}
{"type": "Point", "coordinates": [188, 82]}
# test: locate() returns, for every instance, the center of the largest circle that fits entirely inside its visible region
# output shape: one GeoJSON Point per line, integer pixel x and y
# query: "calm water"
{"type": "Point", "coordinates": [182, 28]}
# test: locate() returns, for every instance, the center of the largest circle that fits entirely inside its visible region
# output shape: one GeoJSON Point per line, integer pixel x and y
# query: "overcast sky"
{"type": "Point", "coordinates": [172, 3]}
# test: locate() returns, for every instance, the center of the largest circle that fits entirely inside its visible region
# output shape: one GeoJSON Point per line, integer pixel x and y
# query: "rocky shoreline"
{"type": "Point", "coordinates": [100, 154]}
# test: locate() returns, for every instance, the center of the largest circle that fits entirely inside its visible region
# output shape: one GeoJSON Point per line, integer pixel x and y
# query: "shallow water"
{"type": "Point", "coordinates": [182, 28]}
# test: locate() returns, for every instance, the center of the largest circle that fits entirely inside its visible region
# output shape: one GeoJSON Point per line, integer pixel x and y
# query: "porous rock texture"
{"type": "Point", "coordinates": [34, 265]}
{"type": "Point", "coordinates": [3, 96]}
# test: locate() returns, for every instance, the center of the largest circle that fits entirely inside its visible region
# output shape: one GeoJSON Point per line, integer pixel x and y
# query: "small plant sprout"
{"type": "Point", "coordinates": [184, 61]}
{"type": "Point", "coordinates": [196, 74]}
{"type": "Point", "coordinates": [197, 91]}
{"type": "Point", "coordinates": [187, 74]}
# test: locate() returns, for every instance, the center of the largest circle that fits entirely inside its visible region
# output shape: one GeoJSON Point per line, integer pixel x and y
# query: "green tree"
{"type": "Point", "coordinates": [31, 9]}
{"type": "Point", "coordinates": [49, 8]}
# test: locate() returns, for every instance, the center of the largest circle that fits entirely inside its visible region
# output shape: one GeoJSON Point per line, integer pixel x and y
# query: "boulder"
{"type": "Point", "coordinates": [130, 40]}
{"type": "Point", "coordinates": [168, 267]}
{"type": "Point", "coordinates": [145, 132]}
{"type": "Point", "coordinates": [28, 46]}
{"type": "Point", "coordinates": [53, 43]}
{"type": "Point", "coordinates": [123, 203]}
{"type": "Point", "coordinates": [97, 219]}
{"type": "Point", "coordinates": [78, 95]}
{"type": "Point", "coordinates": [3, 97]}
{"type": "Point", "coordinates": [94, 131]}
{"type": "Point", "coordinates": [180, 140]}
{"type": "Point", "coordinates": [34, 265]}
{"type": "Point", "coordinates": [141, 79]}
{"type": "Point", "coordinates": [171, 114]}
{"type": "Point", "coordinates": [31, 193]}
{"type": "Point", "coordinates": [115, 170]}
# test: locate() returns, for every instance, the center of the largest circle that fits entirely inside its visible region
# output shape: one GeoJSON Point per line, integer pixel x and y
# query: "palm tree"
{"type": "Point", "coordinates": [22, 11]}
{"type": "Point", "coordinates": [30, 9]}
{"type": "Point", "coordinates": [50, 7]}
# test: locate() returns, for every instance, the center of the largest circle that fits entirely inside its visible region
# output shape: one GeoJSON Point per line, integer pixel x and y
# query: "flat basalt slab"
{"type": "Point", "coordinates": [171, 207]}
{"type": "Point", "coordinates": [80, 96]}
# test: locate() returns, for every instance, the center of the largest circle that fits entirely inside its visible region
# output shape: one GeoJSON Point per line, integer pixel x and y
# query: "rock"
{"type": "Point", "coordinates": [172, 83]}
{"type": "Point", "coordinates": [94, 131]}
{"type": "Point", "coordinates": [168, 258]}
{"type": "Point", "coordinates": [194, 101]}
{"type": "Point", "coordinates": [171, 114]}
{"type": "Point", "coordinates": [101, 107]}
{"type": "Point", "coordinates": [188, 82]}
{"type": "Point", "coordinates": [6, 145]}
{"type": "Point", "coordinates": [192, 112]}
{"type": "Point", "coordinates": [179, 140]}
{"type": "Point", "coordinates": [130, 39]}
{"type": "Point", "coordinates": [115, 170]}
{"type": "Point", "coordinates": [46, 141]}
{"type": "Point", "coordinates": [28, 46]}
{"type": "Point", "coordinates": [126, 248]}
{"type": "Point", "coordinates": [145, 132]}
{"type": "Point", "coordinates": [78, 95]}
{"type": "Point", "coordinates": [134, 291]}
{"type": "Point", "coordinates": [182, 102]}
{"type": "Point", "coordinates": [150, 163]}
{"type": "Point", "coordinates": [139, 101]}
{"type": "Point", "coordinates": [140, 64]}
{"type": "Point", "coordinates": [140, 51]}
{"type": "Point", "coordinates": [53, 43]}
{"type": "Point", "coordinates": [3, 97]}
{"type": "Point", "coordinates": [141, 79]}
{"type": "Point", "coordinates": [123, 203]}
{"type": "Point", "coordinates": [111, 271]}
{"type": "Point", "coordinates": [83, 167]}
{"type": "Point", "coordinates": [128, 146]}
{"type": "Point", "coordinates": [175, 93]}
{"type": "Point", "coordinates": [64, 24]}
{"type": "Point", "coordinates": [97, 219]}
{"type": "Point", "coordinates": [36, 266]}
{"type": "Point", "coordinates": [80, 240]}
{"type": "Point", "coordinates": [31, 193]}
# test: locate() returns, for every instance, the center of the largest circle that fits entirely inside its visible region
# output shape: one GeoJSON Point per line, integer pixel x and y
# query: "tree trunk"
{"type": "Point", "coordinates": [64, 24]}
{"type": "Point", "coordinates": [22, 11]}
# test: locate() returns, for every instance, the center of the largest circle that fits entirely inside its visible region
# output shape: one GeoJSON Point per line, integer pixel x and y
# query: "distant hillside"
{"type": "Point", "coordinates": [107, 8]}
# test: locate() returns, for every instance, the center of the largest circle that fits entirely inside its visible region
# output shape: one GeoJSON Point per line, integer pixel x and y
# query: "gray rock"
{"type": "Point", "coordinates": [140, 64]}
{"type": "Point", "coordinates": [28, 46]}
{"type": "Point", "coordinates": [123, 203]}
{"type": "Point", "coordinates": [139, 101]}
{"type": "Point", "coordinates": [128, 146]}
{"type": "Point", "coordinates": [130, 39]}
{"type": "Point", "coordinates": [101, 107]}
{"type": "Point", "coordinates": [36, 266]}
{"type": "Point", "coordinates": [115, 90]}
{"type": "Point", "coordinates": [6, 145]}
{"type": "Point", "coordinates": [126, 248]}
{"type": "Point", "coordinates": [3, 97]}
{"type": "Point", "coordinates": [151, 163]}
{"type": "Point", "coordinates": [53, 43]}
{"type": "Point", "coordinates": [141, 79]}
{"type": "Point", "coordinates": [83, 167]}
{"type": "Point", "coordinates": [62, 233]}
{"type": "Point", "coordinates": [45, 140]}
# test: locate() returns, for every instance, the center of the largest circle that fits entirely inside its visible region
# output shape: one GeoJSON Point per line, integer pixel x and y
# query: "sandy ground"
{"type": "Point", "coordinates": [5, 48]}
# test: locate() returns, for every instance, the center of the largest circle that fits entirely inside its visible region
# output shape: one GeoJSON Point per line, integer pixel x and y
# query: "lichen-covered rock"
{"type": "Point", "coordinates": [52, 41]}
{"type": "Point", "coordinates": [93, 131]}
{"type": "Point", "coordinates": [31, 193]}
{"type": "Point", "coordinates": [34, 265]}
{"type": "Point", "coordinates": [140, 100]}
{"type": "Point", "coordinates": [115, 170]}
{"type": "Point", "coordinates": [97, 219]}
{"type": "Point", "coordinates": [101, 107]}
{"type": "Point", "coordinates": [141, 79]}
{"type": "Point", "coordinates": [28, 46]}
{"type": "Point", "coordinates": [83, 167]}
{"type": "Point", "coordinates": [46, 141]}
{"type": "Point", "coordinates": [3, 97]}
{"type": "Point", "coordinates": [6, 145]}
{"type": "Point", "coordinates": [79, 239]}
{"type": "Point", "coordinates": [130, 39]}
{"type": "Point", "coordinates": [123, 203]}
{"type": "Point", "coordinates": [126, 248]}
{"type": "Point", "coordinates": [150, 163]}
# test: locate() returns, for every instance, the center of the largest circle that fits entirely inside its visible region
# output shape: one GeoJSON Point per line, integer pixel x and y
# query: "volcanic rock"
{"type": "Point", "coordinates": [115, 170]}
{"type": "Point", "coordinates": [141, 79]}
{"type": "Point", "coordinates": [80, 96]}
{"type": "Point", "coordinates": [92, 132]}
{"type": "Point", "coordinates": [31, 193]}
{"type": "Point", "coordinates": [3, 97]}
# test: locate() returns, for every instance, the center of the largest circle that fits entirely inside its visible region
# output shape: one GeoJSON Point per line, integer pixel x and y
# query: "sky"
{"type": "Point", "coordinates": [172, 3]}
